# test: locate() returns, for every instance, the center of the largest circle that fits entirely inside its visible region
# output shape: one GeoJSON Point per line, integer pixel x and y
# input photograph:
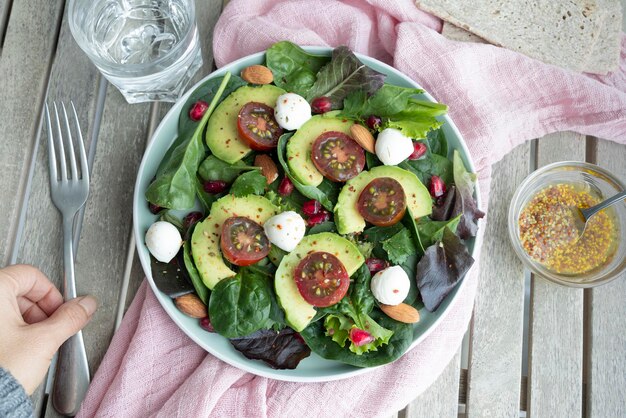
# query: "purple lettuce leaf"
{"type": "Point", "coordinates": [280, 349]}
{"type": "Point", "coordinates": [440, 269]}
{"type": "Point", "coordinates": [343, 75]}
{"type": "Point", "coordinates": [464, 202]}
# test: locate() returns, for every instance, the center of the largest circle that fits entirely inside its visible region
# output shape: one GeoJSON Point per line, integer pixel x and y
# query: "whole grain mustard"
{"type": "Point", "coordinates": [549, 236]}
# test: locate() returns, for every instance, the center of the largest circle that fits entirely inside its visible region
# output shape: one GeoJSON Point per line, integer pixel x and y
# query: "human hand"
{"type": "Point", "coordinates": [35, 322]}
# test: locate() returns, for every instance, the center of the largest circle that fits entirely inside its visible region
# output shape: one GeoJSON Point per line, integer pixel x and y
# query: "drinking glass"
{"type": "Point", "coordinates": [148, 49]}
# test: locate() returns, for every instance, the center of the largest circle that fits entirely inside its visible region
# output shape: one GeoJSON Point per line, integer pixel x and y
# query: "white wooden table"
{"type": "Point", "coordinates": [533, 348]}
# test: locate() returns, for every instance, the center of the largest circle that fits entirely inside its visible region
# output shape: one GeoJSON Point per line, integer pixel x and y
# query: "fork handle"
{"type": "Point", "coordinates": [72, 374]}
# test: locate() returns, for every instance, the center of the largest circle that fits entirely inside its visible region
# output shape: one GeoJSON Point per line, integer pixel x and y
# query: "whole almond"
{"type": "Point", "coordinates": [257, 74]}
{"type": "Point", "coordinates": [402, 312]}
{"type": "Point", "coordinates": [191, 305]}
{"type": "Point", "coordinates": [268, 168]}
{"type": "Point", "coordinates": [363, 137]}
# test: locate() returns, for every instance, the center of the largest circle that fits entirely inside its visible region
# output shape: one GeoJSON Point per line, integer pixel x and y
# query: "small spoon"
{"type": "Point", "coordinates": [581, 216]}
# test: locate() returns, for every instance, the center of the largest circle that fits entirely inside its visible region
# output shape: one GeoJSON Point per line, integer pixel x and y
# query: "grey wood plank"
{"type": "Point", "coordinates": [607, 358]}
{"type": "Point", "coordinates": [442, 397]}
{"type": "Point", "coordinates": [72, 76]}
{"type": "Point", "coordinates": [496, 338]}
{"type": "Point", "coordinates": [556, 327]}
{"type": "Point", "coordinates": [5, 7]}
{"type": "Point", "coordinates": [24, 69]}
{"type": "Point", "coordinates": [207, 13]}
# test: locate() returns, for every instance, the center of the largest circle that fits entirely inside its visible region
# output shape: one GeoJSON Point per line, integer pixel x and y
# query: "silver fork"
{"type": "Point", "coordinates": [69, 189]}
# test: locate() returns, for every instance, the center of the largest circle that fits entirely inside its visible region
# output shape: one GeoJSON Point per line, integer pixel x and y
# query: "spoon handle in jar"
{"type": "Point", "coordinates": [608, 202]}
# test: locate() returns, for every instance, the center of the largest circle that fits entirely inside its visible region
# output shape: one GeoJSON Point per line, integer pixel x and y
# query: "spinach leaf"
{"type": "Point", "coordinates": [327, 226]}
{"type": "Point", "coordinates": [437, 142]}
{"type": "Point", "coordinates": [201, 289]}
{"type": "Point", "coordinates": [431, 165]}
{"type": "Point", "coordinates": [432, 231]}
{"type": "Point", "coordinates": [315, 337]}
{"type": "Point", "coordinates": [206, 199]}
{"type": "Point", "coordinates": [167, 216]}
{"type": "Point", "coordinates": [294, 69]}
{"type": "Point", "coordinates": [343, 75]}
{"type": "Point", "coordinates": [252, 182]}
{"type": "Point", "coordinates": [276, 255]}
{"type": "Point", "coordinates": [440, 269]}
{"type": "Point", "coordinates": [212, 168]}
{"type": "Point", "coordinates": [205, 91]}
{"type": "Point", "coordinates": [240, 305]}
{"type": "Point", "coordinates": [280, 350]}
{"type": "Point", "coordinates": [464, 202]}
{"type": "Point", "coordinates": [326, 193]}
{"type": "Point", "coordinates": [175, 187]}
{"type": "Point", "coordinates": [372, 160]}
{"type": "Point", "coordinates": [400, 247]}
{"type": "Point", "coordinates": [386, 102]}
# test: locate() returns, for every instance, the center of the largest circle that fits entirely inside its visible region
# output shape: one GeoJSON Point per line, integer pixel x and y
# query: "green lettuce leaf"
{"type": "Point", "coordinates": [432, 231]}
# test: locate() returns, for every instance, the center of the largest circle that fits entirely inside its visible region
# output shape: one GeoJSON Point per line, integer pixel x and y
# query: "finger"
{"type": "Point", "coordinates": [66, 321]}
{"type": "Point", "coordinates": [31, 312]}
{"type": "Point", "coordinates": [30, 283]}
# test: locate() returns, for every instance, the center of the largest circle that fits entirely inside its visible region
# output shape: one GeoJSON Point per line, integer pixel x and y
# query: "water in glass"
{"type": "Point", "coordinates": [149, 49]}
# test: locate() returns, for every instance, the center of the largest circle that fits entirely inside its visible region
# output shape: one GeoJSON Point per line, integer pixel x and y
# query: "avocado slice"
{"type": "Point", "coordinates": [298, 312]}
{"type": "Point", "coordinates": [205, 241]}
{"type": "Point", "coordinates": [221, 133]}
{"type": "Point", "coordinates": [347, 216]}
{"type": "Point", "coordinates": [299, 147]}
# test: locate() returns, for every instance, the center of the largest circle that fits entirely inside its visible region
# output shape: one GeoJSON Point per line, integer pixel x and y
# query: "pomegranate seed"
{"type": "Point", "coordinates": [206, 325]}
{"type": "Point", "coordinates": [286, 187]}
{"type": "Point", "coordinates": [191, 219]}
{"type": "Point", "coordinates": [318, 218]}
{"type": "Point", "coordinates": [215, 186]}
{"type": "Point", "coordinates": [419, 149]}
{"type": "Point", "coordinates": [376, 264]}
{"type": "Point", "coordinates": [374, 121]}
{"type": "Point", "coordinates": [198, 110]}
{"type": "Point", "coordinates": [360, 337]}
{"type": "Point", "coordinates": [437, 187]}
{"type": "Point", "coordinates": [155, 209]}
{"type": "Point", "coordinates": [321, 105]}
{"type": "Point", "coordinates": [311, 207]}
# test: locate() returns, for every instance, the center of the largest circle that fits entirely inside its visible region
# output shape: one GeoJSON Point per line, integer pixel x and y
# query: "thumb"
{"type": "Point", "coordinates": [68, 319]}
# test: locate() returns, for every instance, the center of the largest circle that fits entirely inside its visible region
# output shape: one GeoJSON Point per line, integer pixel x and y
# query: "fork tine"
{"type": "Point", "coordinates": [59, 140]}
{"type": "Point", "coordinates": [52, 160]}
{"type": "Point", "coordinates": [71, 154]}
{"type": "Point", "coordinates": [84, 166]}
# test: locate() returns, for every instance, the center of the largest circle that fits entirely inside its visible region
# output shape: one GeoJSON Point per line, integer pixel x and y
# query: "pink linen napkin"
{"type": "Point", "coordinates": [497, 98]}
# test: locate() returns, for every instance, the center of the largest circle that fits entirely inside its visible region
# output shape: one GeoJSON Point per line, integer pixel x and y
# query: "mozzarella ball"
{"type": "Point", "coordinates": [285, 230]}
{"type": "Point", "coordinates": [391, 285]}
{"type": "Point", "coordinates": [291, 111]}
{"type": "Point", "coordinates": [163, 241]}
{"type": "Point", "coordinates": [392, 147]}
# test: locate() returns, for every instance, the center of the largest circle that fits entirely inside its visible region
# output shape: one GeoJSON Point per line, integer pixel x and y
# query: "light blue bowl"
{"type": "Point", "coordinates": [313, 368]}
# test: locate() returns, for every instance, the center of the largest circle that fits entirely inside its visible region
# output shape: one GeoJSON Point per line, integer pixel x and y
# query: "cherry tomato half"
{"type": "Point", "coordinates": [337, 156]}
{"type": "Point", "coordinates": [382, 202]}
{"type": "Point", "coordinates": [257, 126]}
{"type": "Point", "coordinates": [322, 279]}
{"type": "Point", "coordinates": [243, 241]}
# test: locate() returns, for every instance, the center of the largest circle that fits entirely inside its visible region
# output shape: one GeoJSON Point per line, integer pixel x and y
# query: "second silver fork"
{"type": "Point", "coordinates": [69, 188]}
